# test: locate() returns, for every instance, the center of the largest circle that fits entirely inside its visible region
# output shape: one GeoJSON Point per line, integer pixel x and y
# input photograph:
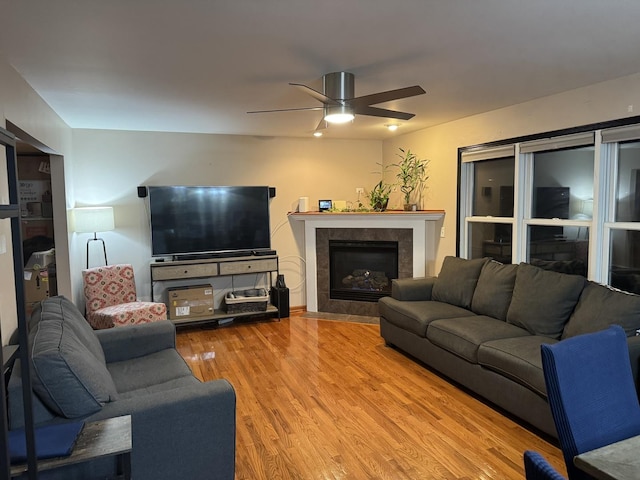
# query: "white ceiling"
{"type": "Point", "coordinates": [200, 65]}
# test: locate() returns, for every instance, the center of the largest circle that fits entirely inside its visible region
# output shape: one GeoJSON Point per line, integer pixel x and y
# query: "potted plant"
{"type": "Point", "coordinates": [379, 196]}
{"type": "Point", "coordinates": [412, 175]}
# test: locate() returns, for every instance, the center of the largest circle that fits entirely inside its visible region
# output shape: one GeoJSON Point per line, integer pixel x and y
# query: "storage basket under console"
{"type": "Point", "coordinates": [246, 301]}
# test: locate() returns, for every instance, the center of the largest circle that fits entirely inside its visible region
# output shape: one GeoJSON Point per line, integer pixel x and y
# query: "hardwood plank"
{"type": "Point", "coordinates": [322, 399]}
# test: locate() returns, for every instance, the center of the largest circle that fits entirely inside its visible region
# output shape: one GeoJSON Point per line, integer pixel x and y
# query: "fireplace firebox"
{"type": "Point", "coordinates": [361, 270]}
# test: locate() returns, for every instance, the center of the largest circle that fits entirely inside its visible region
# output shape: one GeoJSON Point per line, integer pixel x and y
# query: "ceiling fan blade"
{"type": "Point", "coordinates": [321, 97]}
{"type": "Point", "coordinates": [322, 125]}
{"type": "Point", "coordinates": [382, 112]}
{"type": "Point", "coordinates": [287, 110]}
{"type": "Point", "coordinates": [387, 96]}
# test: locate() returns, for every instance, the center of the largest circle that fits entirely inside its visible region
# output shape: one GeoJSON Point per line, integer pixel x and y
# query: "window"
{"type": "Point", "coordinates": [621, 215]}
{"type": "Point", "coordinates": [489, 228]}
{"type": "Point", "coordinates": [536, 205]}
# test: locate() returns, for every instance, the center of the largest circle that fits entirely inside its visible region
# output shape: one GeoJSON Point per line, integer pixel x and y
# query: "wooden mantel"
{"type": "Point", "coordinates": [422, 223]}
{"type": "Point", "coordinates": [387, 214]}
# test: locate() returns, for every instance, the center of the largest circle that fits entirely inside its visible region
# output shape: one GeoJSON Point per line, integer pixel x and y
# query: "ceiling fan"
{"type": "Point", "coordinates": [341, 106]}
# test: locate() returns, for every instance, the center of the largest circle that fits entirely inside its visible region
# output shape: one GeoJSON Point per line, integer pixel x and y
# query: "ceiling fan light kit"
{"type": "Point", "coordinates": [340, 105]}
{"type": "Point", "coordinates": [338, 114]}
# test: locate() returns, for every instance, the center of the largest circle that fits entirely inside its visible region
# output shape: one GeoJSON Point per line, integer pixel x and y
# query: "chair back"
{"type": "Point", "coordinates": [107, 286]}
{"type": "Point", "coordinates": [536, 467]}
{"type": "Point", "coordinates": [591, 392]}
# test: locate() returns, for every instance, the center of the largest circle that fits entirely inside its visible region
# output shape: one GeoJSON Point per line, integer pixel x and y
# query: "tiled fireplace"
{"type": "Point", "coordinates": [410, 234]}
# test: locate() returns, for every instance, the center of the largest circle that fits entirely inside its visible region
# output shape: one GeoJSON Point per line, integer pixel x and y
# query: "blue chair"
{"type": "Point", "coordinates": [536, 467]}
{"type": "Point", "coordinates": [591, 392]}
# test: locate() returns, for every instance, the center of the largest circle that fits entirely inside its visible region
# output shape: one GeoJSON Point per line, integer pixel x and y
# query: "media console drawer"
{"type": "Point", "coordinates": [248, 266]}
{"type": "Point", "coordinates": [174, 272]}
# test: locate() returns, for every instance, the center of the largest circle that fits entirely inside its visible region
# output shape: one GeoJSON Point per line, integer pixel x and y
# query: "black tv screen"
{"type": "Point", "coordinates": [201, 220]}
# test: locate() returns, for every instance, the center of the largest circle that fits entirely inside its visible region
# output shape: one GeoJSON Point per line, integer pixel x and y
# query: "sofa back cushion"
{"type": "Point", "coordinates": [543, 300]}
{"type": "Point", "coordinates": [70, 374]}
{"type": "Point", "coordinates": [494, 290]}
{"type": "Point", "coordinates": [599, 307]}
{"type": "Point", "coordinates": [457, 281]}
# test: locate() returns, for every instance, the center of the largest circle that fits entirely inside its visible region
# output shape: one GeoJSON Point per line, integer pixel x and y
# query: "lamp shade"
{"type": "Point", "coordinates": [93, 219]}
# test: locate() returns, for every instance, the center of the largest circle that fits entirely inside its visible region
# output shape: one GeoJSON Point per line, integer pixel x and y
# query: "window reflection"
{"type": "Point", "coordinates": [628, 183]}
{"type": "Point", "coordinates": [563, 184]}
{"type": "Point", "coordinates": [625, 260]}
{"type": "Point", "coordinates": [559, 248]}
{"type": "Point", "coordinates": [493, 187]}
{"type": "Point", "coordinates": [491, 240]}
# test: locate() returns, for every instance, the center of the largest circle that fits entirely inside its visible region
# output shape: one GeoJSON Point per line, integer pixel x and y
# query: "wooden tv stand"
{"type": "Point", "coordinates": [162, 271]}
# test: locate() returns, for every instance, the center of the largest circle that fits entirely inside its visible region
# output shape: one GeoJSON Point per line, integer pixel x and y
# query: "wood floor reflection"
{"type": "Point", "coordinates": [322, 399]}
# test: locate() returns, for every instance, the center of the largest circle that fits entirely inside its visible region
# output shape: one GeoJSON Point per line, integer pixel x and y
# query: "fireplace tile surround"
{"type": "Point", "coordinates": [414, 231]}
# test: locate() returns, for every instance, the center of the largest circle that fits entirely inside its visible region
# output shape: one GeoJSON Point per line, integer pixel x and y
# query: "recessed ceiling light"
{"type": "Point", "coordinates": [317, 134]}
{"type": "Point", "coordinates": [392, 127]}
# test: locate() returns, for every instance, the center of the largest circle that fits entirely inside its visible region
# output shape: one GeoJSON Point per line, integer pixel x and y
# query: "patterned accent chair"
{"type": "Point", "coordinates": [111, 301]}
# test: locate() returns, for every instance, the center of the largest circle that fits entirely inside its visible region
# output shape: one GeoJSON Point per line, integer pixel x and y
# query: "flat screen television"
{"type": "Point", "coordinates": [213, 220]}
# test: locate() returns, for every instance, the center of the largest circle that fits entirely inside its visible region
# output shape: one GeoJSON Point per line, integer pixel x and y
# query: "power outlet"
{"type": "Point", "coordinates": [442, 232]}
{"type": "Point", "coordinates": [359, 190]}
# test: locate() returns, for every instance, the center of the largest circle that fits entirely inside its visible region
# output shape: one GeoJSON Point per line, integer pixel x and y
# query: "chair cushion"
{"type": "Point", "coordinates": [108, 285]}
{"type": "Point", "coordinates": [543, 300]}
{"type": "Point", "coordinates": [127, 314]}
{"type": "Point", "coordinates": [599, 307]}
{"type": "Point", "coordinates": [457, 281]}
{"type": "Point", "coordinates": [68, 376]}
{"type": "Point", "coordinates": [493, 293]}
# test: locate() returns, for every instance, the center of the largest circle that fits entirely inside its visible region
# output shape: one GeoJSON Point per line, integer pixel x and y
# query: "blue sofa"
{"type": "Point", "coordinates": [181, 427]}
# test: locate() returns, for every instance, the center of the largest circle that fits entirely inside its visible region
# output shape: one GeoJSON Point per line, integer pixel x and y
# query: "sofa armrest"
{"type": "Point", "coordinates": [131, 341]}
{"type": "Point", "coordinates": [187, 432]}
{"type": "Point", "coordinates": [412, 289]}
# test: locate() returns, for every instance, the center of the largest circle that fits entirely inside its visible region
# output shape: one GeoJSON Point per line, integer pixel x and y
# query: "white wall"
{"type": "Point", "coordinates": [592, 104]}
{"type": "Point", "coordinates": [111, 164]}
{"type": "Point", "coordinates": [20, 105]}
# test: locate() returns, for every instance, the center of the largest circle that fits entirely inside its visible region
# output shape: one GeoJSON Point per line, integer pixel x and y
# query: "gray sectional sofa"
{"type": "Point", "coordinates": [481, 323]}
{"type": "Point", "coordinates": [180, 426]}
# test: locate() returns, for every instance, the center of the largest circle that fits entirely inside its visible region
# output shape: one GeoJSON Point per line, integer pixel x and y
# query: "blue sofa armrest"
{"type": "Point", "coordinates": [187, 432]}
{"type": "Point", "coordinates": [412, 289]}
{"type": "Point", "coordinates": [124, 343]}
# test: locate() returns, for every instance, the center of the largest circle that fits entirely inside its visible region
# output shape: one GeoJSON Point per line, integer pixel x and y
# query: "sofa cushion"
{"type": "Point", "coordinates": [518, 359]}
{"type": "Point", "coordinates": [142, 372]}
{"type": "Point", "coordinates": [463, 336]}
{"type": "Point", "coordinates": [493, 293]}
{"type": "Point", "coordinates": [457, 281]}
{"type": "Point", "coordinates": [543, 300]}
{"type": "Point", "coordinates": [68, 376]}
{"type": "Point", "coordinates": [599, 307]}
{"type": "Point", "coordinates": [416, 316]}
{"type": "Point", "coordinates": [54, 307]}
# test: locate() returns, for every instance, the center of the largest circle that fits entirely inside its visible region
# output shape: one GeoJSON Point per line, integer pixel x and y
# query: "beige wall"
{"type": "Point", "coordinates": [592, 104]}
{"type": "Point", "coordinates": [111, 164]}
{"type": "Point", "coordinates": [105, 167]}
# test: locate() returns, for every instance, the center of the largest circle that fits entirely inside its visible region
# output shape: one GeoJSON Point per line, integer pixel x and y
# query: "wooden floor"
{"type": "Point", "coordinates": [322, 399]}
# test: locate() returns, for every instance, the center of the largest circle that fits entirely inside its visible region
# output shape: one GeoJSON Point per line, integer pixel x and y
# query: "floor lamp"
{"type": "Point", "coordinates": [93, 220]}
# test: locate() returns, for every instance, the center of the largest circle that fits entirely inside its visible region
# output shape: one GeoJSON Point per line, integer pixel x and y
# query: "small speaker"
{"type": "Point", "coordinates": [280, 300]}
{"type": "Point", "coordinates": [272, 192]}
{"type": "Point", "coordinates": [303, 204]}
{"type": "Point", "coordinates": [142, 192]}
